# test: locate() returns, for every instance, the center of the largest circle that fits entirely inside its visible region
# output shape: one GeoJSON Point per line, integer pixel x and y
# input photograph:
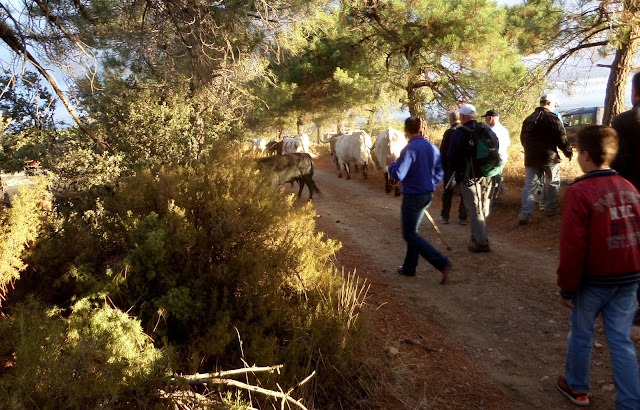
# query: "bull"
{"type": "Point", "coordinates": [281, 169]}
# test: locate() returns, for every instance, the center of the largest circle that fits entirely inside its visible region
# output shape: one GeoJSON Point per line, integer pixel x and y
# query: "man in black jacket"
{"type": "Point", "coordinates": [627, 162]}
{"type": "Point", "coordinates": [542, 134]}
{"type": "Point", "coordinates": [474, 189]}
{"type": "Point", "coordinates": [627, 125]}
{"type": "Point", "coordinates": [447, 195]}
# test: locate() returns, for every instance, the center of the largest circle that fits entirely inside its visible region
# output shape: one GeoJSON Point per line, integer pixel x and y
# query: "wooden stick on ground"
{"type": "Point", "coordinates": [426, 212]}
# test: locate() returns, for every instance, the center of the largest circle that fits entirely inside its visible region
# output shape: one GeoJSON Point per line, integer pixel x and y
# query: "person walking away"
{"type": "Point", "coordinates": [599, 268]}
{"type": "Point", "coordinates": [420, 170]}
{"type": "Point", "coordinates": [542, 134]}
{"type": "Point", "coordinates": [450, 185]}
{"type": "Point", "coordinates": [492, 118]}
{"type": "Point", "coordinates": [474, 189]}
{"type": "Point", "coordinates": [627, 163]}
{"type": "Point", "coordinates": [541, 190]}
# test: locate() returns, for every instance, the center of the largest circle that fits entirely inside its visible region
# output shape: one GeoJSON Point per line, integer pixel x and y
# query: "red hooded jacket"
{"type": "Point", "coordinates": [600, 237]}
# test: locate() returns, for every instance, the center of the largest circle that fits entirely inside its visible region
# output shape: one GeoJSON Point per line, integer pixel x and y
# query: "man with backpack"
{"type": "Point", "coordinates": [492, 119]}
{"type": "Point", "coordinates": [541, 136]}
{"type": "Point", "coordinates": [473, 155]}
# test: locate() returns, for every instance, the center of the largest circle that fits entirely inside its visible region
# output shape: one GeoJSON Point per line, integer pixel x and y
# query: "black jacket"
{"type": "Point", "coordinates": [627, 162]}
{"type": "Point", "coordinates": [541, 136]}
{"type": "Point", "coordinates": [444, 145]}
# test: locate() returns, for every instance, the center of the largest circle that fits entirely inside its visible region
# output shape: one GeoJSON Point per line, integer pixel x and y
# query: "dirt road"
{"type": "Point", "coordinates": [499, 314]}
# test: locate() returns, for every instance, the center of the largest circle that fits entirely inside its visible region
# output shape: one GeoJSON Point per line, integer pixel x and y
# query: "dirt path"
{"type": "Point", "coordinates": [498, 315]}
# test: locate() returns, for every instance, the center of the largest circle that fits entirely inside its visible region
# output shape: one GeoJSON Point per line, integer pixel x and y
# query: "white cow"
{"type": "Point", "coordinates": [291, 145]}
{"type": "Point", "coordinates": [296, 143]}
{"type": "Point", "coordinates": [354, 146]}
{"type": "Point", "coordinates": [259, 145]}
{"type": "Point", "coordinates": [389, 142]}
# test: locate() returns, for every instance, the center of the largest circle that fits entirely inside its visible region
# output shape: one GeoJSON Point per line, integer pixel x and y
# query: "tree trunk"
{"type": "Point", "coordinates": [416, 108]}
{"type": "Point", "coordinates": [415, 104]}
{"type": "Point", "coordinates": [620, 69]}
{"type": "Point", "coordinates": [318, 136]}
{"type": "Point", "coordinates": [299, 125]}
{"type": "Point", "coordinates": [370, 119]}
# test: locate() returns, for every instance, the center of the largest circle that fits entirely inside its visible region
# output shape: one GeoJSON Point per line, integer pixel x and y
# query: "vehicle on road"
{"type": "Point", "coordinates": [577, 117]}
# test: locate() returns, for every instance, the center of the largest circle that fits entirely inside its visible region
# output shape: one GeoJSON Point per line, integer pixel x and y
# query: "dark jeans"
{"type": "Point", "coordinates": [413, 207]}
{"type": "Point", "coordinates": [447, 196]}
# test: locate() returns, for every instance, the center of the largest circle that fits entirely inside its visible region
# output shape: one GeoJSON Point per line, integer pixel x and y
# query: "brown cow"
{"type": "Point", "coordinates": [289, 168]}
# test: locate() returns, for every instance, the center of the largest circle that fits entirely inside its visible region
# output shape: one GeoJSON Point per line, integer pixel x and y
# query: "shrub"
{"type": "Point", "coordinates": [20, 226]}
{"type": "Point", "coordinates": [214, 264]}
{"type": "Point", "coordinates": [97, 357]}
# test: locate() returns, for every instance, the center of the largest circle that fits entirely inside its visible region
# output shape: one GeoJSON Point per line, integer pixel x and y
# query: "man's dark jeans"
{"type": "Point", "coordinates": [413, 207]}
{"type": "Point", "coordinates": [447, 196]}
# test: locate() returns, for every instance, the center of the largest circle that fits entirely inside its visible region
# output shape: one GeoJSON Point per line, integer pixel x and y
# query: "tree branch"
{"type": "Point", "coordinates": [9, 37]}
{"type": "Point", "coordinates": [569, 52]}
{"type": "Point", "coordinates": [216, 378]}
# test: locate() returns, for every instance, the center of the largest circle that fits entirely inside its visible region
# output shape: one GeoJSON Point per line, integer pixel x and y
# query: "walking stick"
{"type": "Point", "coordinates": [426, 212]}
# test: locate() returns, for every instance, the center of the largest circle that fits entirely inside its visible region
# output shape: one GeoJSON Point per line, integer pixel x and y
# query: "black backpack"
{"type": "Point", "coordinates": [485, 159]}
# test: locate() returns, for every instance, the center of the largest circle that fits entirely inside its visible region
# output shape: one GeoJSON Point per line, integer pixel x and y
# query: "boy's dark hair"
{"type": "Point", "coordinates": [600, 141]}
{"type": "Point", "coordinates": [412, 125]}
{"type": "Point", "coordinates": [635, 82]}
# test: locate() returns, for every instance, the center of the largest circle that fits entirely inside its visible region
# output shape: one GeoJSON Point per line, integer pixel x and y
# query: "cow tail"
{"type": "Point", "coordinates": [312, 183]}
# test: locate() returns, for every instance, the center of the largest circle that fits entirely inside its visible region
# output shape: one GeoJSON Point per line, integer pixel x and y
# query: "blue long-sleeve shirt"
{"type": "Point", "coordinates": [419, 167]}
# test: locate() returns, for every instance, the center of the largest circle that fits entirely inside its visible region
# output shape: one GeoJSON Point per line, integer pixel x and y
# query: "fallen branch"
{"type": "Point", "coordinates": [217, 378]}
{"type": "Point", "coordinates": [202, 378]}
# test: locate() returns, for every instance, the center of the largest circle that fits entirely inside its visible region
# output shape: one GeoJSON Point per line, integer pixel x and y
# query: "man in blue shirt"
{"type": "Point", "coordinates": [420, 170]}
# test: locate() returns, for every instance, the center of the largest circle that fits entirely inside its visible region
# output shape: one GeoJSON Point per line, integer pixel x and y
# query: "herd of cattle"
{"type": "Point", "coordinates": [290, 160]}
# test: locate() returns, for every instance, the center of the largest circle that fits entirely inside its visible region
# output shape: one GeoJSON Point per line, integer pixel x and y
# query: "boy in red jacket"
{"type": "Point", "coordinates": [599, 267]}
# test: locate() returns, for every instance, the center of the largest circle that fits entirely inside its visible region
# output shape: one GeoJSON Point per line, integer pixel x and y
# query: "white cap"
{"type": "Point", "coordinates": [549, 98]}
{"type": "Point", "coordinates": [468, 110]}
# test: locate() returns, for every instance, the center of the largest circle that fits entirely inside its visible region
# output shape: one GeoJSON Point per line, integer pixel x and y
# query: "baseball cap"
{"type": "Point", "coordinates": [492, 113]}
{"type": "Point", "coordinates": [549, 98]}
{"type": "Point", "coordinates": [467, 109]}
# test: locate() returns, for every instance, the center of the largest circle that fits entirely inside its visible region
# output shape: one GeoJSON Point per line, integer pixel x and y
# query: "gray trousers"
{"type": "Point", "coordinates": [475, 193]}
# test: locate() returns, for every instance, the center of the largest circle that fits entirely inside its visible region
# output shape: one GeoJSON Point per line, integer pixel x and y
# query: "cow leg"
{"type": "Point", "coordinates": [387, 185]}
{"type": "Point", "coordinates": [364, 171]}
{"type": "Point", "coordinates": [310, 184]}
{"type": "Point", "coordinates": [301, 181]}
{"type": "Point", "coordinates": [347, 170]}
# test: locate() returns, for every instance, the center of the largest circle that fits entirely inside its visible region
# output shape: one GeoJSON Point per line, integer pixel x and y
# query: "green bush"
{"type": "Point", "coordinates": [96, 357]}
{"type": "Point", "coordinates": [20, 225]}
{"type": "Point", "coordinates": [216, 266]}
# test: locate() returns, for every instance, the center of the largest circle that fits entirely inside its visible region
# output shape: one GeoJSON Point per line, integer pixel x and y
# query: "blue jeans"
{"type": "Point", "coordinates": [618, 306]}
{"type": "Point", "coordinates": [412, 210]}
{"type": "Point", "coordinates": [550, 188]}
